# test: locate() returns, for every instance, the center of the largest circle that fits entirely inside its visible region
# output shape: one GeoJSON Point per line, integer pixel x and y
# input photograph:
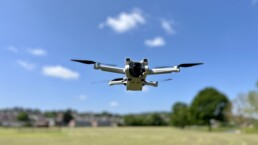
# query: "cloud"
{"type": "Point", "coordinates": [156, 42]}
{"type": "Point", "coordinates": [37, 52]}
{"type": "Point", "coordinates": [32, 51]}
{"type": "Point", "coordinates": [26, 65]}
{"type": "Point", "coordinates": [113, 104]}
{"type": "Point", "coordinates": [13, 49]}
{"type": "Point", "coordinates": [254, 2]}
{"type": "Point", "coordinates": [124, 21]}
{"type": "Point", "coordinates": [60, 72]}
{"type": "Point", "coordinates": [168, 27]}
{"type": "Point", "coordinates": [82, 97]}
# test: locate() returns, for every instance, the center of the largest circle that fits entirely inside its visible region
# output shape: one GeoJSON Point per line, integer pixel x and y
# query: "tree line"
{"type": "Point", "coordinates": [209, 104]}
{"type": "Point", "coordinates": [208, 107]}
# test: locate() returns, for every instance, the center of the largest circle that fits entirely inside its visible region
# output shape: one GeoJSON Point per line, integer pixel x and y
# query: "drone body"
{"type": "Point", "coordinates": [135, 72]}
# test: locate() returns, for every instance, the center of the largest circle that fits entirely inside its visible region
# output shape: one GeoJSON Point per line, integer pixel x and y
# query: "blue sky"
{"type": "Point", "coordinates": [38, 38]}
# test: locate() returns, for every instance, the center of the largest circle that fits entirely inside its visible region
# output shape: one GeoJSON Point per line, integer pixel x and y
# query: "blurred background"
{"type": "Point", "coordinates": [41, 87]}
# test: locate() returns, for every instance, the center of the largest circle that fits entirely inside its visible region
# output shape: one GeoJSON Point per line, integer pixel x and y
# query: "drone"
{"type": "Point", "coordinates": [135, 72]}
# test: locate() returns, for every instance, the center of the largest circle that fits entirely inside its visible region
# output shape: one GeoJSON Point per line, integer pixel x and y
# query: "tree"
{"type": "Point", "coordinates": [129, 120]}
{"type": "Point", "coordinates": [252, 102]}
{"type": "Point", "coordinates": [67, 117]}
{"type": "Point", "coordinates": [136, 120]}
{"type": "Point", "coordinates": [209, 104]}
{"type": "Point", "coordinates": [180, 115]}
{"type": "Point", "coordinates": [246, 106]}
{"type": "Point", "coordinates": [50, 114]}
{"type": "Point", "coordinates": [157, 120]}
{"type": "Point", "coordinates": [149, 119]}
{"type": "Point", "coordinates": [23, 116]}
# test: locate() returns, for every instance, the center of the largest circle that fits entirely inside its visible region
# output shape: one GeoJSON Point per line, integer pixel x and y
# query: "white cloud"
{"type": "Point", "coordinates": [37, 52]}
{"type": "Point", "coordinates": [124, 21]}
{"type": "Point", "coordinates": [26, 65]}
{"type": "Point", "coordinates": [60, 72]}
{"type": "Point", "coordinates": [168, 27]}
{"type": "Point", "coordinates": [13, 49]}
{"type": "Point", "coordinates": [156, 42]}
{"type": "Point", "coordinates": [254, 2]}
{"type": "Point", "coordinates": [82, 97]}
{"type": "Point", "coordinates": [113, 104]}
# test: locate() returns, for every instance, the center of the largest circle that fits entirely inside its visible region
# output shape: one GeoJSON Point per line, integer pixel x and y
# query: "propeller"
{"type": "Point", "coordinates": [90, 62]}
{"type": "Point", "coordinates": [105, 81]}
{"type": "Point", "coordinates": [165, 80]}
{"type": "Point", "coordinates": [84, 61]}
{"type": "Point", "coordinates": [99, 82]}
{"type": "Point", "coordinates": [118, 79]}
{"type": "Point", "coordinates": [188, 64]}
{"type": "Point", "coordinates": [182, 65]}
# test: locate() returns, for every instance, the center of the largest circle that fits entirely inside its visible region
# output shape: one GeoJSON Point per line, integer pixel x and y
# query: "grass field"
{"type": "Point", "coordinates": [121, 136]}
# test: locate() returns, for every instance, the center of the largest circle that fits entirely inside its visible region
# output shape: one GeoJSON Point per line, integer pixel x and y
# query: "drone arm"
{"type": "Point", "coordinates": [109, 68]}
{"type": "Point", "coordinates": [163, 70]}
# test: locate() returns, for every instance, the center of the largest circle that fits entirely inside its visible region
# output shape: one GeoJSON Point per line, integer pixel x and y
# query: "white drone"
{"type": "Point", "coordinates": [135, 72]}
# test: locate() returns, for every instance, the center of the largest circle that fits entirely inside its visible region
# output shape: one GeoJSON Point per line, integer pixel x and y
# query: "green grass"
{"type": "Point", "coordinates": [250, 130]}
{"type": "Point", "coordinates": [121, 136]}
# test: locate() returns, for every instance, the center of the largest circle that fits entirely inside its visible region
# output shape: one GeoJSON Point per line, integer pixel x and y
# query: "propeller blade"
{"type": "Point", "coordinates": [90, 62]}
{"type": "Point", "coordinates": [182, 65]}
{"type": "Point", "coordinates": [99, 82]}
{"type": "Point", "coordinates": [165, 80]}
{"type": "Point", "coordinates": [118, 79]}
{"type": "Point", "coordinates": [188, 64]}
{"type": "Point", "coordinates": [106, 81]}
{"type": "Point", "coordinates": [84, 61]}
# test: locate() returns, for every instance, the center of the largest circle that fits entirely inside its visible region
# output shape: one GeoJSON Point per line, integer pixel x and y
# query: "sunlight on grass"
{"type": "Point", "coordinates": [121, 136]}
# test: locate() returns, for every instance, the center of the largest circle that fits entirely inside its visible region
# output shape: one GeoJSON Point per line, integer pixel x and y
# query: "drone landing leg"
{"type": "Point", "coordinates": [111, 83]}
{"type": "Point", "coordinates": [154, 84]}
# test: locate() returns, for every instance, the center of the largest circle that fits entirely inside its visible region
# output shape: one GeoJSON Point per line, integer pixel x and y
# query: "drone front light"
{"type": "Point", "coordinates": [127, 59]}
{"type": "Point", "coordinates": [145, 61]}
